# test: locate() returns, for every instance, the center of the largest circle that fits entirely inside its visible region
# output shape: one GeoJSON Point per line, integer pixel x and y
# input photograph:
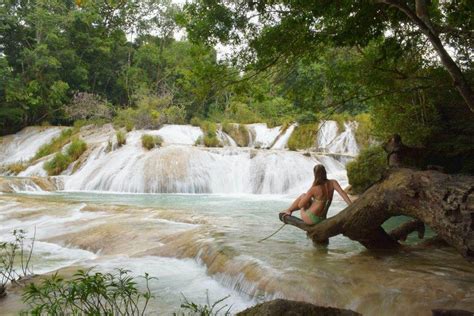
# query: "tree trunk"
{"type": "Point", "coordinates": [443, 202]}
{"type": "Point", "coordinates": [424, 24]}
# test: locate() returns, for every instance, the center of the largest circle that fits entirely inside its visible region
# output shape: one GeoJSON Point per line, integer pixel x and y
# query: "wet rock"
{"type": "Point", "coordinates": [280, 307]}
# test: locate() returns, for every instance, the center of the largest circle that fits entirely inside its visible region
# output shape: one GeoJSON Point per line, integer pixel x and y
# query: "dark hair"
{"type": "Point", "coordinates": [320, 175]}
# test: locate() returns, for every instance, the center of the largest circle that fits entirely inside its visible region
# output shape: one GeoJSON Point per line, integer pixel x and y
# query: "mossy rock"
{"type": "Point", "coordinates": [303, 137]}
{"type": "Point", "coordinates": [238, 132]}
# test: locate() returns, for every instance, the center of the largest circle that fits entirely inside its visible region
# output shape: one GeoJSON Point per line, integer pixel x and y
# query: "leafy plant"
{"type": "Point", "coordinates": [208, 309]}
{"type": "Point", "coordinates": [367, 168]}
{"type": "Point", "coordinates": [10, 254]}
{"type": "Point", "coordinates": [149, 141]}
{"type": "Point", "coordinates": [16, 167]}
{"type": "Point", "coordinates": [89, 293]}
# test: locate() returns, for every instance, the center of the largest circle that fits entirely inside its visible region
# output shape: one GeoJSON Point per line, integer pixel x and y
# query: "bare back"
{"type": "Point", "coordinates": [322, 197]}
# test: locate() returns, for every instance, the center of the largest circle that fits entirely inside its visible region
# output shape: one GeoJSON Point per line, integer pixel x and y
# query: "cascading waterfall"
{"type": "Point", "coordinates": [180, 167]}
{"type": "Point", "coordinates": [23, 145]}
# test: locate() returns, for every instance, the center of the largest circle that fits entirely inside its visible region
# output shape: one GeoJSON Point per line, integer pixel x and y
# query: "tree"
{"type": "Point", "coordinates": [278, 30]}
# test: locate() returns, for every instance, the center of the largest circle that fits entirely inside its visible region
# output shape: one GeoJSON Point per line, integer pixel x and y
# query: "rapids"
{"type": "Point", "coordinates": [191, 216]}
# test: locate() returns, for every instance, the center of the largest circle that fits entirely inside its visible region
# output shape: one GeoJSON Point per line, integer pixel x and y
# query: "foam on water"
{"type": "Point", "coordinates": [282, 141]}
{"type": "Point", "coordinates": [261, 135]}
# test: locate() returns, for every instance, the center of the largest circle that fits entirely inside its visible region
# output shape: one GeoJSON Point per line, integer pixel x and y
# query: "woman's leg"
{"type": "Point", "coordinates": [305, 217]}
{"type": "Point", "coordinates": [294, 206]}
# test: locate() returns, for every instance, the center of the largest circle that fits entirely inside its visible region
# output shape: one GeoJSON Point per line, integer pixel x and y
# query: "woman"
{"type": "Point", "coordinates": [315, 203]}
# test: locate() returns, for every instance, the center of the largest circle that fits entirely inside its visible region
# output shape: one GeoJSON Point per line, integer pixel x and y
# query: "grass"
{"type": "Point", "coordinates": [209, 129]}
{"type": "Point", "coordinates": [56, 144]}
{"type": "Point", "coordinates": [16, 167]}
{"type": "Point", "coordinates": [149, 141]}
{"type": "Point", "coordinates": [61, 161]}
{"type": "Point", "coordinates": [303, 137]}
{"type": "Point", "coordinates": [58, 164]}
{"type": "Point", "coordinates": [121, 138]}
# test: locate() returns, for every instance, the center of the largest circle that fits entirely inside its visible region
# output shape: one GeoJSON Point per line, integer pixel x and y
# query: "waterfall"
{"type": "Point", "coordinates": [282, 141]}
{"type": "Point", "coordinates": [262, 136]}
{"type": "Point", "coordinates": [328, 139]}
{"type": "Point", "coordinates": [23, 145]}
{"type": "Point", "coordinates": [180, 167]}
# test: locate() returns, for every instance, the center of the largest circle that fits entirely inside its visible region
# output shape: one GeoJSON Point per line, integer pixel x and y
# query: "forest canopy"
{"type": "Point", "coordinates": [407, 65]}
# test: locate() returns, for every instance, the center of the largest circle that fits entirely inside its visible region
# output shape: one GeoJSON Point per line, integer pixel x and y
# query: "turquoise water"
{"type": "Point", "coordinates": [209, 243]}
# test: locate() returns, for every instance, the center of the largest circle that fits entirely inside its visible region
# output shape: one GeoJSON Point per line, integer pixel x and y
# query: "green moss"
{"type": "Point", "coordinates": [367, 168]}
{"type": "Point", "coordinates": [76, 148]}
{"type": "Point", "coordinates": [149, 141]}
{"type": "Point", "coordinates": [303, 137]}
{"type": "Point", "coordinates": [56, 144]}
{"type": "Point", "coordinates": [121, 138]}
{"type": "Point", "coordinates": [58, 164]}
{"type": "Point", "coordinates": [238, 132]}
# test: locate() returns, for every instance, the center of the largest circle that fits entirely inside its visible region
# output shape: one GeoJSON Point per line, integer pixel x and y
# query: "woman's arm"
{"type": "Point", "coordinates": [341, 192]}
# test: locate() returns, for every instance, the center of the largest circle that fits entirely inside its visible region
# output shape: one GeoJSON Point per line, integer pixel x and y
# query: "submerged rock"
{"type": "Point", "coordinates": [280, 307]}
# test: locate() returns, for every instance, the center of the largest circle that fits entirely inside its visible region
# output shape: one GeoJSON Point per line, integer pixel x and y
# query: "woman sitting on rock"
{"type": "Point", "coordinates": [314, 204]}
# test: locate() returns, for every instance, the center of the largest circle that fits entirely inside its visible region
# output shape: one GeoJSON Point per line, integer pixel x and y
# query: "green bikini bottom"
{"type": "Point", "coordinates": [314, 218]}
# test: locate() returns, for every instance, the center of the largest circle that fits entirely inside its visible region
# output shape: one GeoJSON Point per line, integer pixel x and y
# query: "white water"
{"type": "Point", "coordinates": [282, 142]}
{"type": "Point", "coordinates": [23, 145]}
{"type": "Point", "coordinates": [331, 142]}
{"type": "Point", "coordinates": [180, 167]}
{"type": "Point", "coordinates": [261, 136]}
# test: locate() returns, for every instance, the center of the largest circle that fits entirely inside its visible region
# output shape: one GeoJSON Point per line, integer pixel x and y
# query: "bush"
{"type": "Point", "coordinates": [303, 137]}
{"type": "Point", "coordinates": [88, 294]}
{"type": "Point", "coordinates": [364, 129]}
{"type": "Point", "coordinates": [211, 140]}
{"type": "Point", "coordinates": [58, 164]}
{"type": "Point", "coordinates": [208, 309]}
{"type": "Point", "coordinates": [15, 259]}
{"type": "Point", "coordinates": [150, 141]}
{"type": "Point", "coordinates": [16, 167]}
{"type": "Point", "coordinates": [55, 145]}
{"type": "Point", "coordinates": [367, 168]}
{"type": "Point", "coordinates": [76, 149]}
{"type": "Point", "coordinates": [87, 106]}
{"type": "Point", "coordinates": [121, 138]}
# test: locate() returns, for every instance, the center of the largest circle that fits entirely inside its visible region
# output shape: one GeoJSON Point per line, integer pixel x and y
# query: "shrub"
{"type": "Point", "coordinates": [76, 149]}
{"type": "Point", "coordinates": [367, 168]}
{"type": "Point", "coordinates": [211, 140]}
{"type": "Point", "coordinates": [58, 164]}
{"type": "Point", "coordinates": [364, 129]}
{"type": "Point", "coordinates": [175, 115]}
{"type": "Point", "coordinates": [121, 138]}
{"type": "Point", "coordinates": [55, 145]}
{"type": "Point", "coordinates": [87, 106]}
{"type": "Point", "coordinates": [303, 137]}
{"type": "Point", "coordinates": [208, 309]}
{"type": "Point", "coordinates": [150, 141]}
{"type": "Point", "coordinates": [88, 294]}
{"type": "Point", "coordinates": [15, 259]}
{"type": "Point", "coordinates": [195, 121]}
{"type": "Point", "coordinates": [16, 167]}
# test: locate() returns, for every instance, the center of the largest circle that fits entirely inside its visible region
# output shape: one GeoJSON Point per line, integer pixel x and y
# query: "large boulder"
{"type": "Point", "coordinates": [280, 307]}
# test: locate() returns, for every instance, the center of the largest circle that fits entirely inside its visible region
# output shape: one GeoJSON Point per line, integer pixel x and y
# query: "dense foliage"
{"type": "Point", "coordinates": [120, 61]}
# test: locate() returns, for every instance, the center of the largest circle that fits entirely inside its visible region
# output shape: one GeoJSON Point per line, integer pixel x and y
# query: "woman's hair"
{"type": "Point", "coordinates": [320, 175]}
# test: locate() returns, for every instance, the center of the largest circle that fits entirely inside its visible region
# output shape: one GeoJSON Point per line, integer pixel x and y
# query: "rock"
{"type": "Point", "coordinates": [280, 307]}
{"type": "Point", "coordinates": [451, 312]}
